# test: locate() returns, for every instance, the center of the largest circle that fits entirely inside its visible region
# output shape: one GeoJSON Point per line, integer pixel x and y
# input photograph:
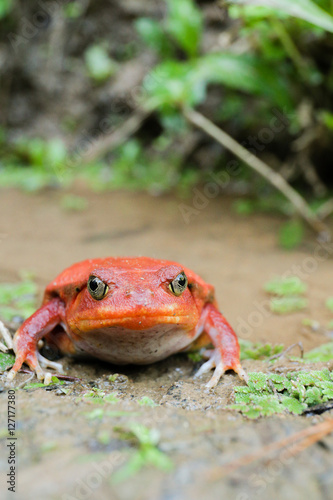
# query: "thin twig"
{"type": "Point", "coordinates": [106, 143]}
{"type": "Point", "coordinates": [283, 353]}
{"type": "Point", "coordinates": [326, 209]}
{"type": "Point", "coordinates": [261, 168]}
{"type": "Point", "coordinates": [296, 443]}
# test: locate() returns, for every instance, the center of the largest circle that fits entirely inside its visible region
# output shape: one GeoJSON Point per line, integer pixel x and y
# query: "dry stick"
{"type": "Point", "coordinates": [261, 168]}
{"type": "Point", "coordinates": [297, 442]}
{"type": "Point", "coordinates": [326, 209]}
{"type": "Point", "coordinates": [283, 353]}
{"type": "Point", "coordinates": [110, 141]}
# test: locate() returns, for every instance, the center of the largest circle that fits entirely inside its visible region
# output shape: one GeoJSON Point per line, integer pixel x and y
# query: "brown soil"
{"type": "Point", "coordinates": [61, 453]}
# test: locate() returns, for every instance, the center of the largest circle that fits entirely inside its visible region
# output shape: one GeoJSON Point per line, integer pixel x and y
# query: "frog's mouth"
{"type": "Point", "coordinates": [133, 322]}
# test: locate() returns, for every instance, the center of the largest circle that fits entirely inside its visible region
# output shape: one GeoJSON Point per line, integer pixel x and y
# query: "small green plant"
{"type": "Point", "coordinates": [287, 305]}
{"type": "Point", "coordinates": [291, 234]}
{"type": "Point", "coordinates": [286, 286]}
{"type": "Point", "coordinates": [36, 385]}
{"type": "Point", "coordinates": [18, 299]}
{"type": "Point", "coordinates": [267, 393]}
{"type": "Point", "coordinates": [97, 396]}
{"type": "Point", "coordinates": [195, 356]}
{"type": "Point", "coordinates": [320, 354]}
{"type": "Point", "coordinates": [146, 401]}
{"type": "Point", "coordinates": [258, 350]}
{"type": "Point", "coordinates": [147, 452]}
{"type": "Point", "coordinates": [288, 293]}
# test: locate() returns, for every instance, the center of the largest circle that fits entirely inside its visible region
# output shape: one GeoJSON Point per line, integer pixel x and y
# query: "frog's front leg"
{"type": "Point", "coordinates": [31, 331]}
{"type": "Point", "coordinates": [225, 356]}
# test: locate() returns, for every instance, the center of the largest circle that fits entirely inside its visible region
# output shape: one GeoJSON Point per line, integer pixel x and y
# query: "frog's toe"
{"type": "Point", "coordinates": [215, 361]}
{"type": "Point", "coordinates": [47, 363]}
{"type": "Point", "coordinates": [30, 358]}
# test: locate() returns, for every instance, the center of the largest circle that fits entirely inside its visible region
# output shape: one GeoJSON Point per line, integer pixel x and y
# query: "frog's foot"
{"type": "Point", "coordinates": [31, 359]}
{"type": "Point", "coordinates": [215, 361]}
{"type": "Point", "coordinates": [36, 363]}
{"type": "Point", "coordinates": [4, 333]}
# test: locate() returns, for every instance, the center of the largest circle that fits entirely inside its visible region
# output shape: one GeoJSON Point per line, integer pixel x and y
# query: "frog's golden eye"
{"type": "Point", "coordinates": [178, 285]}
{"type": "Point", "coordinates": [97, 288]}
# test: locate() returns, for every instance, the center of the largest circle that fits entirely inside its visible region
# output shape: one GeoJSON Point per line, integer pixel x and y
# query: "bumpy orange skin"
{"type": "Point", "coordinates": [139, 320]}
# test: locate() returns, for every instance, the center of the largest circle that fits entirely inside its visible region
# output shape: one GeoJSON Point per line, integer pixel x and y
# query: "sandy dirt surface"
{"type": "Point", "coordinates": [64, 454]}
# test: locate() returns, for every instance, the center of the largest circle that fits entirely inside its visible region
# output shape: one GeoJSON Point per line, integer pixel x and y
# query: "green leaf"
{"type": "Point", "coordinates": [293, 405]}
{"type": "Point", "coordinates": [302, 9]}
{"type": "Point", "coordinates": [6, 361]}
{"type": "Point", "coordinates": [153, 35]}
{"type": "Point", "coordinates": [184, 23]}
{"type": "Point", "coordinates": [291, 234]}
{"type": "Point", "coordinates": [34, 385]}
{"type": "Point", "coordinates": [286, 286]}
{"type": "Point", "coordinates": [174, 83]}
{"type": "Point", "coordinates": [243, 72]}
{"type": "Point", "coordinates": [5, 7]}
{"type": "Point", "coordinates": [99, 65]}
{"type": "Point", "coordinates": [287, 305]}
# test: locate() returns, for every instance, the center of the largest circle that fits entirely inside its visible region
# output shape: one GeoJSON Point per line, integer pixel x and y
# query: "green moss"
{"type": "Point", "coordinates": [258, 350]}
{"type": "Point", "coordinates": [267, 394]}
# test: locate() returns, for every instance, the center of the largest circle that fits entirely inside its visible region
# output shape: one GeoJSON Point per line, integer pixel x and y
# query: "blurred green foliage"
{"type": "Point", "coordinates": [273, 65]}
{"type": "Point", "coordinates": [18, 300]}
{"type": "Point", "coordinates": [287, 295]}
{"type": "Point", "coordinates": [99, 64]}
{"type": "Point", "coordinates": [286, 286]}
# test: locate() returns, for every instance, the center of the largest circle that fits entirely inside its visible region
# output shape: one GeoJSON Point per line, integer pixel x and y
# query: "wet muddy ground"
{"type": "Point", "coordinates": [67, 450]}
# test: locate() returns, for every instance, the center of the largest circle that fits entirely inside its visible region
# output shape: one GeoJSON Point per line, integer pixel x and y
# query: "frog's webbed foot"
{"type": "Point", "coordinates": [6, 336]}
{"type": "Point", "coordinates": [34, 328]}
{"type": "Point", "coordinates": [215, 361]}
{"type": "Point", "coordinates": [36, 363]}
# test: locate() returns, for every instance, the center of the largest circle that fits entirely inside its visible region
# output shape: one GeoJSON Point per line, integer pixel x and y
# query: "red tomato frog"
{"type": "Point", "coordinates": [128, 310]}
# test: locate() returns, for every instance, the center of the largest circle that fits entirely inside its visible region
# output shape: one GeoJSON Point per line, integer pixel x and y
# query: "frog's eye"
{"type": "Point", "coordinates": [178, 285]}
{"type": "Point", "coordinates": [97, 288]}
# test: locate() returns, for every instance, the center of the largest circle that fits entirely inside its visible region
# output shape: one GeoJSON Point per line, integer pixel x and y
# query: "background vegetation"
{"type": "Point", "coordinates": [101, 91]}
